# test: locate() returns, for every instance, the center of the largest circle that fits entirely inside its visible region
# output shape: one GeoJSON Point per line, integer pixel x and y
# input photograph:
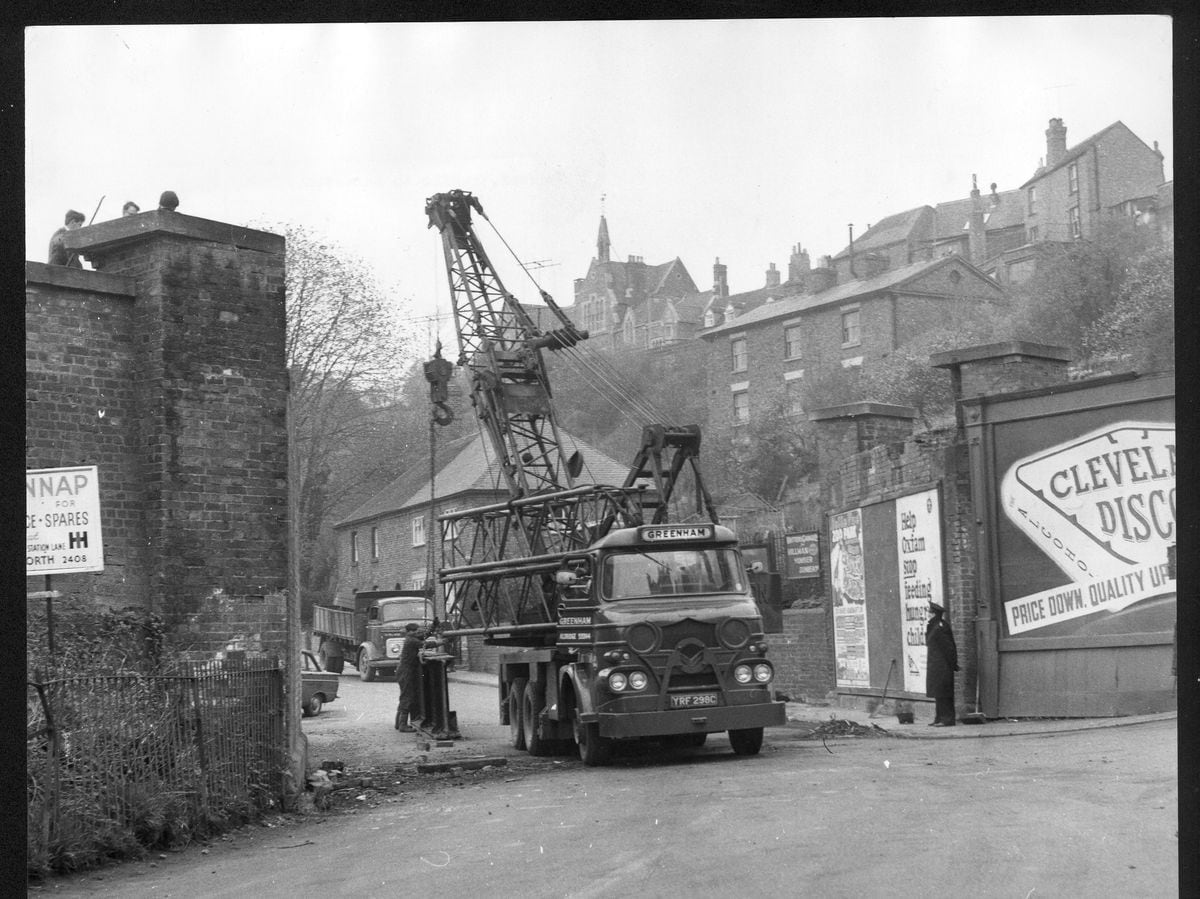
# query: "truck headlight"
{"type": "Point", "coordinates": [617, 682]}
{"type": "Point", "coordinates": [637, 680]}
{"type": "Point", "coordinates": [762, 673]}
{"type": "Point", "coordinates": [742, 674]}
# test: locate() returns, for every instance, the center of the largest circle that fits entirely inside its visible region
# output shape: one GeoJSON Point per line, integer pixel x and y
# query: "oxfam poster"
{"type": "Point", "coordinates": [919, 554]}
{"type": "Point", "coordinates": [849, 599]}
{"type": "Point", "coordinates": [1102, 508]}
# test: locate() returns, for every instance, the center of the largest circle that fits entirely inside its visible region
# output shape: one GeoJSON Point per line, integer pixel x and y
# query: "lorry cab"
{"type": "Point", "coordinates": [665, 639]}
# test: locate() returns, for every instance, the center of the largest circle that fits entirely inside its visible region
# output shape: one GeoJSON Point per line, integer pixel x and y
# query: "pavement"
{"type": "Point", "coordinates": [808, 713]}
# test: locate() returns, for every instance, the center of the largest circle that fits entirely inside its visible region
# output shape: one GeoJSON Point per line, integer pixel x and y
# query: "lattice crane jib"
{"type": "Point", "coordinates": [501, 347]}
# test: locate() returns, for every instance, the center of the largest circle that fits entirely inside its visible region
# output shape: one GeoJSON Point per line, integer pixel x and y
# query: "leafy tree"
{"type": "Point", "coordinates": [1140, 325]}
{"type": "Point", "coordinates": [905, 377]}
{"type": "Point", "coordinates": [1077, 284]}
{"type": "Point", "coordinates": [782, 450]}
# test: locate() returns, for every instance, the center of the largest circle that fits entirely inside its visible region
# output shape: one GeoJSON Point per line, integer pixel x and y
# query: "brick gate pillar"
{"type": "Point", "coordinates": [210, 387]}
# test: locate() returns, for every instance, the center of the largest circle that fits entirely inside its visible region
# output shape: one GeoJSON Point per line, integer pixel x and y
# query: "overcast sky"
{"type": "Point", "coordinates": [731, 139]}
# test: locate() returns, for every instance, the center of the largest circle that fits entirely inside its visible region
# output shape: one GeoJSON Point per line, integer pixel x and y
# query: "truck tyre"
{"type": "Point", "coordinates": [516, 720]}
{"type": "Point", "coordinates": [314, 706]}
{"type": "Point", "coordinates": [594, 750]}
{"type": "Point", "coordinates": [746, 742]}
{"type": "Point", "coordinates": [365, 671]}
{"type": "Point", "coordinates": [531, 715]}
{"type": "Point", "coordinates": [330, 660]}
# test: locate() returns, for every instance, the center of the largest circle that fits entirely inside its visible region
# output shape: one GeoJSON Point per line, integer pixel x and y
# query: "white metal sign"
{"type": "Point", "coordinates": [1102, 507]}
{"type": "Point", "coordinates": [62, 521]}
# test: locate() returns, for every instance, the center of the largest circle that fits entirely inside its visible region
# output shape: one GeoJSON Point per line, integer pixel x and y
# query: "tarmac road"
{"type": "Point", "coordinates": [1082, 812]}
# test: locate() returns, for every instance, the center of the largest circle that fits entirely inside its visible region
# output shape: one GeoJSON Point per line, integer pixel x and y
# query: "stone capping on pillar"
{"type": "Point", "coordinates": [1005, 367]}
{"type": "Point", "coordinates": [78, 278]}
{"type": "Point", "coordinates": [863, 409]}
{"type": "Point", "coordinates": [1007, 351]}
{"type": "Point", "coordinates": [110, 234]}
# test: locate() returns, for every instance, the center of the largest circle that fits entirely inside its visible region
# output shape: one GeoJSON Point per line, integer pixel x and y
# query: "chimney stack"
{"type": "Point", "coordinates": [872, 264]}
{"type": "Point", "coordinates": [798, 265]}
{"type": "Point", "coordinates": [976, 248]}
{"type": "Point", "coordinates": [823, 277]}
{"type": "Point", "coordinates": [1056, 142]}
{"type": "Point", "coordinates": [772, 276]}
{"type": "Point", "coordinates": [720, 279]}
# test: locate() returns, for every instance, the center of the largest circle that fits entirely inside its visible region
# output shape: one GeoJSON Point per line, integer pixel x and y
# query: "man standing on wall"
{"type": "Point", "coordinates": [58, 250]}
{"type": "Point", "coordinates": [408, 673]}
{"type": "Point", "coordinates": [940, 664]}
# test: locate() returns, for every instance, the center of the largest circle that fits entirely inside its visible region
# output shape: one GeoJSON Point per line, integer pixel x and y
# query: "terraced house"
{"type": "Point", "coordinates": [765, 358]}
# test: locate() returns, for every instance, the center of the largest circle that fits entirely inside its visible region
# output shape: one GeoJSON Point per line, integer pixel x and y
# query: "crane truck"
{"type": "Point", "coordinates": [613, 622]}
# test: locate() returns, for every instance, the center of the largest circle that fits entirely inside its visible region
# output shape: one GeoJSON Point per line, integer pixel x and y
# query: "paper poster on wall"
{"type": "Point", "coordinates": [919, 554]}
{"type": "Point", "coordinates": [849, 599]}
{"type": "Point", "coordinates": [1102, 507]}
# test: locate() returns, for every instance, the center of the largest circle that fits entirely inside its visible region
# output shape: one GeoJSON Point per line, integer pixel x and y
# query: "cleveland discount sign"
{"type": "Point", "coordinates": [1102, 507]}
{"type": "Point", "coordinates": [62, 521]}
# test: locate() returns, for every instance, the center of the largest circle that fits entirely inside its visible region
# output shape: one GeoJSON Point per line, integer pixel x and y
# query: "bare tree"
{"type": "Point", "coordinates": [348, 350]}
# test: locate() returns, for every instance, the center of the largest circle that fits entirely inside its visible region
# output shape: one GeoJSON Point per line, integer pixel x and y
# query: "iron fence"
{"type": "Point", "coordinates": [119, 763]}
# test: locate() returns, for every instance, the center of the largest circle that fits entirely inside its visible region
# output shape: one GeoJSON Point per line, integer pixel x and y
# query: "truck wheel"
{"type": "Point", "coordinates": [365, 671]}
{"type": "Point", "coordinates": [330, 661]}
{"type": "Point", "coordinates": [746, 742]}
{"type": "Point", "coordinates": [315, 704]}
{"type": "Point", "coordinates": [516, 721]}
{"type": "Point", "coordinates": [594, 750]}
{"type": "Point", "coordinates": [531, 714]}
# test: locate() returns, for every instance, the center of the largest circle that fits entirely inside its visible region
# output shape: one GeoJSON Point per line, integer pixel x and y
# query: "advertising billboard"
{"type": "Point", "coordinates": [849, 599]}
{"type": "Point", "coordinates": [1100, 506]}
{"type": "Point", "coordinates": [62, 521]}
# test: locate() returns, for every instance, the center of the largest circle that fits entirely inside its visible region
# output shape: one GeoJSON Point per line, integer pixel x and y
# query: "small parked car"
{"type": "Point", "coordinates": [317, 686]}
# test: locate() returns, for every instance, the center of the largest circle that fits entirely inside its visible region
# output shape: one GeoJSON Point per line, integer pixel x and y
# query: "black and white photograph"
{"type": "Point", "coordinates": [591, 458]}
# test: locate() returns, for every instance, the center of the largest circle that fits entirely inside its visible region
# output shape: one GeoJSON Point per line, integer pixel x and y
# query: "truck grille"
{"type": "Point", "coordinates": [702, 680]}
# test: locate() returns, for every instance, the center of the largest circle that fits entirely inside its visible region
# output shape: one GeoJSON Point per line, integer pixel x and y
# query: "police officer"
{"type": "Point", "coordinates": [941, 661]}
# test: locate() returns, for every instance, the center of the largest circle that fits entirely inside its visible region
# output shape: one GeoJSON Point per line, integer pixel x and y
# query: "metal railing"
{"type": "Point", "coordinates": [118, 763]}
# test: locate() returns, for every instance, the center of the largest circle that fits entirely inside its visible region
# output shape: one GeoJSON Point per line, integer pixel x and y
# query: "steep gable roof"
{"type": "Point", "coordinates": [891, 279]}
{"type": "Point", "coordinates": [1078, 150]}
{"type": "Point", "coordinates": [950, 219]}
{"type": "Point", "coordinates": [468, 465]}
{"type": "Point", "coordinates": [887, 231]}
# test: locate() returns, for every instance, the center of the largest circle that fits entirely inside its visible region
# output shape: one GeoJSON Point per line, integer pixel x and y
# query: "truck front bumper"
{"type": "Point", "coordinates": [707, 720]}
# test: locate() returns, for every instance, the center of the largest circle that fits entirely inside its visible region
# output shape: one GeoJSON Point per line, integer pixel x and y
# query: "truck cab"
{"type": "Point", "coordinates": [658, 637]}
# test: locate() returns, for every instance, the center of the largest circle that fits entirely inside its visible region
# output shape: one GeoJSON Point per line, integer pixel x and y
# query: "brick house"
{"type": "Point", "coordinates": [1111, 173]}
{"type": "Point", "coordinates": [633, 304]}
{"type": "Point", "coordinates": [774, 351]}
{"type": "Point", "coordinates": [900, 239]}
{"type": "Point", "coordinates": [384, 544]}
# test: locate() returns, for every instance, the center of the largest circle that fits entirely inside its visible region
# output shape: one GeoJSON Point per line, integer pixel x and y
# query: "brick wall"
{"type": "Point", "coordinates": [180, 330]}
{"type": "Point", "coordinates": [803, 654]}
{"type": "Point", "coordinates": [81, 409]}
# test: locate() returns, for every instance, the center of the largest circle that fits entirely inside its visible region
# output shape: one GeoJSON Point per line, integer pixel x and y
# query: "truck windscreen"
{"type": "Point", "coordinates": [403, 611]}
{"type": "Point", "coordinates": [662, 572]}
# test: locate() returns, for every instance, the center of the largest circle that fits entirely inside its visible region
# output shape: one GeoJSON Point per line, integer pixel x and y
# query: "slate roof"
{"type": "Point", "coordinates": [950, 219]}
{"type": "Point", "coordinates": [752, 299]}
{"type": "Point", "coordinates": [470, 465]}
{"type": "Point", "coordinates": [890, 230]}
{"type": "Point", "coordinates": [844, 292]}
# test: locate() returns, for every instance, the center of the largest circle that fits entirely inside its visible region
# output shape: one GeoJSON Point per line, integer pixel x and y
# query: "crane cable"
{"type": "Point", "coordinates": [607, 380]}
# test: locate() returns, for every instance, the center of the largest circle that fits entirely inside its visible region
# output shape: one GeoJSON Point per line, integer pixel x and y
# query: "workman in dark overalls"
{"type": "Point", "coordinates": [408, 674]}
